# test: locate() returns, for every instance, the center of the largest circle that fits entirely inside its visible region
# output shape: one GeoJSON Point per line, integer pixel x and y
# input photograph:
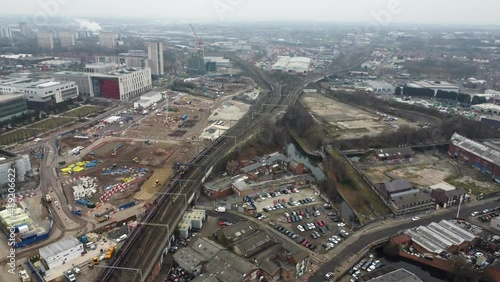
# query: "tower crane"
{"type": "Point", "coordinates": [198, 39]}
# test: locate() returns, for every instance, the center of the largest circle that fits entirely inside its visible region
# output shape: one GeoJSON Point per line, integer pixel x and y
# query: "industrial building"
{"type": "Point", "coordinates": [483, 156]}
{"type": "Point", "coordinates": [81, 79]}
{"type": "Point", "coordinates": [123, 84]}
{"type": "Point", "coordinates": [16, 217]}
{"type": "Point", "coordinates": [228, 267]}
{"type": "Point", "coordinates": [183, 229]}
{"type": "Point", "coordinates": [107, 40]}
{"type": "Point", "coordinates": [379, 87]}
{"type": "Point", "coordinates": [197, 217]}
{"type": "Point", "coordinates": [292, 64]}
{"type": "Point", "coordinates": [45, 40]}
{"type": "Point", "coordinates": [438, 237]}
{"type": "Point", "coordinates": [193, 258]}
{"type": "Point", "coordinates": [67, 38]}
{"type": "Point", "coordinates": [396, 186]}
{"type": "Point", "coordinates": [434, 85]}
{"type": "Point", "coordinates": [491, 121]}
{"type": "Point", "coordinates": [196, 61]}
{"type": "Point", "coordinates": [235, 232]}
{"type": "Point", "coordinates": [406, 203]}
{"type": "Point", "coordinates": [155, 55]}
{"type": "Point", "coordinates": [148, 99]}
{"type": "Point", "coordinates": [11, 106]}
{"type": "Point", "coordinates": [243, 186]}
{"type": "Point", "coordinates": [219, 188]}
{"type": "Point", "coordinates": [39, 94]}
{"type": "Point", "coordinates": [60, 252]}
{"type": "Point", "coordinates": [446, 195]}
{"type": "Point", "coordinates": [251, 245]}
{"type": "Point", "coordinates": [398, 275]}
{"type": "Point", "coordinates": [486, 108]}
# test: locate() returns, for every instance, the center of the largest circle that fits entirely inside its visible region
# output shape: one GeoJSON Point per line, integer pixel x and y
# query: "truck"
{"type": "Point", "coordinates": [110, 252]}
{"type": "Point", "coordinates": [23, 274]}
{"type": "Point", "coordinates": [102, 218]}
{"type": "Point", "coordinates": [220, 209]}
{"type": "Point", "coordinates": [85, 203]}
{"type": "Point", "coordinates": [98, 215]}
{"type": "Point", "coordinates": [48, 198]}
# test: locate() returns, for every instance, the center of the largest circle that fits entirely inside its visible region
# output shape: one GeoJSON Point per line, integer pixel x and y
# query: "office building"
{"type": "Point", "coordinates": [132, 59]}
{"type": "Point", "coordinates": [100, 68]}
{"type": "Point", "coordinates": [123, 84]}
{"type": "Point", "coordinates": [39, 93]}
{"type": "Point", "coordinates": [5, 32]}
{"type": "Point", "coordinates": [196, 61]}
{"type": "Point", "coordinates": [81, 79]}
{"type": "Point", "coordinates": [60, 252]}
{"type": "Point", "coordinates": [155, 54]}
{"type": "Point", "coordinates": [107, 40]}
{"type": "Point", "coordinates": [12, 105]}
{"type": "Point", "coordinates": [68, 38]}
{"type": "Point", "coordinates": [45, 40]}
{"type": "Point", "coordinates": [24, 28]}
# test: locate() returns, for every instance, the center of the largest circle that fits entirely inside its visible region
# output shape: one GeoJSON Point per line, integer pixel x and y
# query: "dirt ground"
{"type": "Point", "coordinates": [424, 170]}
{"type": "Point", "coordinates": [69, 143]}
{"type": "Point", "coordinates": [226, 116]}
{"type": "Point", "coordinates": [345, 121]}
{"type": "Point", "coordinates": [165, 125]}
{"type": "Point", "coordinates": [156, 160]}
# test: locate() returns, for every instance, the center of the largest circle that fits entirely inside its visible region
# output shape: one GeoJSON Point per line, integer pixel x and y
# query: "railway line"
{"type": "Point", "coordinates": [144, 247]}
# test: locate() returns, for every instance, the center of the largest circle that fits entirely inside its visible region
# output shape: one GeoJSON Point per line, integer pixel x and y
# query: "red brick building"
{"type": "Point", "coordinates": [482, 156]}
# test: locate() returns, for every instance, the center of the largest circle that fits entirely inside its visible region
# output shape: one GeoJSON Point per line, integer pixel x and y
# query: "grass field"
{"type": "Point", "coordinates": [82, 111]}
{"type": "Point", "coordinates": [18, 135]}
{"type": "Point", "coordinates": [51, 123]}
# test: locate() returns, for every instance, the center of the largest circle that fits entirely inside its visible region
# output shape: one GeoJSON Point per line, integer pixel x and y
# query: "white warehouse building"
{"type": "Point", "coordinates": [148, 99]}
{"type": "Point", "coordinates": [292, 64]}
{"type": "Point", "coordinates": [58, 253]}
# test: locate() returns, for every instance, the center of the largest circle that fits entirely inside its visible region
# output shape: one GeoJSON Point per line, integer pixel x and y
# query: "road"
{"type": "Point", "coordinates": [347, 251]}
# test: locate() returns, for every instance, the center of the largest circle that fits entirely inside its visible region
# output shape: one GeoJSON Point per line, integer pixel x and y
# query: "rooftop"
{"type": "Point", "coordinates": [189, 258]}
{"type": "Point", "coordinates": [59, 246]}
{"type": "Point", "coordinates": [462, 233]}
{"type": "Point", "coordinates": [237, 231]}
{"type": "Point", "coordinates": [206, 278]}
{"type": "Point", "coordinates": [400, 275]}
{"type": "Point", "coordinates": [269, 161]}
{"type": "Point", "coordinates": [229, 267]}
{"type": "Point", "coordinates": [379, 84]}
{"type": "Point", "coordinates": [486, 107]}
{"type": "Point", "coordinates": [206, 247]}
{"type": "Point", "coordinates": [455, 239]}
{"type": "Point", "coordinates": [255, 243]}
{"type": "Point", "coordinates": [416, 198]}
{"type": "Point", "coordinates": [433, 84]}
{"type": "Point", "coordinates": [242, 185]}
{"type": "Point", "coordinates": [485, 152]}
{"type": "Point", "coordinates": [7, 97]}
{"type": "Point", "coordinates": [150, 94]}
{"type": "Point", "coordinates": [443, 186]}
{"type": "Point", "coordinates": [184, 225]}
{"type": "Point", "coordinates": [219, 184]}
{"type": "Point", "coordinates": [423, 242]}
{"type": "Point", "coordinates": [397, 185]}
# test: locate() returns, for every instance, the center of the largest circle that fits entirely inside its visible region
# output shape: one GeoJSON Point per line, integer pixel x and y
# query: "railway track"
{"type": "Point", "coordinates": [146, 243]}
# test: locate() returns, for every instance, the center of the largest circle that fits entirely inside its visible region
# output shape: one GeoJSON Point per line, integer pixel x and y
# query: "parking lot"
{"type": "Point", "coordinates": [305, 218]}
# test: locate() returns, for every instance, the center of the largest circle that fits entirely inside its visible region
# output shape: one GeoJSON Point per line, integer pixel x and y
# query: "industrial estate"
{"type": "Point", "coordinates": [218, 153]}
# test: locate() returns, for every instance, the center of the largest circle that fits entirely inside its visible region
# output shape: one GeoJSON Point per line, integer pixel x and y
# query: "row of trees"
{"type": "Point", "coordinates": [302, 123]}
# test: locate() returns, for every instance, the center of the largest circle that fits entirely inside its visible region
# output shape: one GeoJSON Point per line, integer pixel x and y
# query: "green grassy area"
{"type": "Point", "coordinates": [51, 123]}
{"type": "Point", "coordinates": [18, 135]}
{"type": "Point", "coordinates": [82, 111]}
{"type": "Point", "coordinates": [358, 194]}
{"type": "Point", "coordinates": [470, 186]}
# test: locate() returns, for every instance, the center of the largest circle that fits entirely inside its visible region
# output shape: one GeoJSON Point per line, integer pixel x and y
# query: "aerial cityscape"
{"type": "Point", "coordinates": [242, 141]}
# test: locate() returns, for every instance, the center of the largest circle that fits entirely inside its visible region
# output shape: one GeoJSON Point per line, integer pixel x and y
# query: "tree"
{"type": "Point", "coordinates": [391, 249]}
{"type": "Point", "coordinates": [397, 90]}
{"type": "Point", "coordinates": [463, 271]}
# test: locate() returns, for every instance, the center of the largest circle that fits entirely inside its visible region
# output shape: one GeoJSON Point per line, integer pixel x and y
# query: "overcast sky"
{"type": "Point", "coordinates": [393, 11]}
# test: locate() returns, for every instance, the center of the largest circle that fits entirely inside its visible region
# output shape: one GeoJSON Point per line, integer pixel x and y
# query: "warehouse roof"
{"type": "Point", "coordinates": [237, 231]}
{"type": "Point", "coordinates": [423, 242]}
{"type": "Point", "coordinates": [266, 258]}
{"type": "Point", "coordinates": [391, 152]}
{"type": "Point", "coordinates": [269, 161]}
{"type": "Point", "coordinates": [184, 225]}
{"type": "Point", "coordinates": [457, 240]}
{"type": "Point", "coordinates": [435, 237]}
{"type": "Point", "coordinates": [229, 267]}
{"type": "Point", "coordinates": [255, 243]}
{"type": "Point", "coordinates": [464, 234]}
{"type": "Point", "coordinates": [189, 258]}
{"type": "Point", "coordinates": [397, 185]}
{"type": "Point", "coordinates": [208, 277]}
{"type": "Point", "coordinates": [206, 247]}
{"type": "Point", "coordinates": [400, 275]}
{"type": "Point", "coordinates": [242, 185]}
{"type": "Point", "coordinates": [412, 199]}
{"type": "Point", "coordinates": [219, 184]}
{"type": "Point", "coordinates": [58, 247]}
{"type": "Point", "coordinates": [478, 149]}
{"type": "Point", "coordinates": [434, 84]}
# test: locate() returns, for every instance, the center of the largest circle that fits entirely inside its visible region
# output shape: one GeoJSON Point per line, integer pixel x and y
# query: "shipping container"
{"type": "Point", "coordinates": [127, 205]}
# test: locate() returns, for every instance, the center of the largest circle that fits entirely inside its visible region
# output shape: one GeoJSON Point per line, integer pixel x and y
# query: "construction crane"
{"type": "Point", "coordinates": [198, 39]}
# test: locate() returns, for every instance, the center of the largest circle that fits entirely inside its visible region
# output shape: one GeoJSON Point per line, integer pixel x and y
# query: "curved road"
{"type": "Point", "coordinates": [347, 251]}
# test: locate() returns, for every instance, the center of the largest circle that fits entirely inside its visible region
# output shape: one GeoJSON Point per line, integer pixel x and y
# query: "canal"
{"type": "Point", "coordinates": [294, 150]}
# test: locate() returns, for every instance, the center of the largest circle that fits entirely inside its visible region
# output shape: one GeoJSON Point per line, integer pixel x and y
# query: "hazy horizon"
{"type": "Point", "coordinates": [385, 12]}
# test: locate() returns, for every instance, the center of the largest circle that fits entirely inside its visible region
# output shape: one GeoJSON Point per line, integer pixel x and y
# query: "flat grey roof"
{"type": "Point", "coordinates": [189, 258]}
{"type": "Point", "coordinates": [7, 97]}
{"type": "Point", "coordinates": [206, 247]}
{"type": "Point", "coordinates": [236, 231]}
{"type": "Point", "coordinates": [229, 267]}
{"type": "Point", "coordinates": [58, 247]}
{"type": "Point", "coordinates": [412, 198]}
{"type": "Point", "coordinates": [242, 185]}
{"type": "Point", "coordinates": [397, 185]}
{"type": "Point", "coordinates": [268, 161]}
{"type": "Point", "coordinates": [254, 243]}
{"type": "Point", "coordinates": [399, 275]}
{"type": "Point", "coordinates": [219, 184]}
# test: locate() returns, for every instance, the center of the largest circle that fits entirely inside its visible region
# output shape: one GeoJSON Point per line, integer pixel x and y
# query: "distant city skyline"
{"type": "Point", "coordinates": [384, 12]}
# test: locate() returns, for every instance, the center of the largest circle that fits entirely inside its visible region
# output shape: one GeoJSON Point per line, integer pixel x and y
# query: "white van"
{"type": "Point", "coordinates": [220, 209]}
{"type": "Point", "coordinates": [122, 238]}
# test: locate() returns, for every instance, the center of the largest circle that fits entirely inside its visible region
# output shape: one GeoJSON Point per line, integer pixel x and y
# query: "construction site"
{"type": "Point", "coordinates": [347, 122]}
